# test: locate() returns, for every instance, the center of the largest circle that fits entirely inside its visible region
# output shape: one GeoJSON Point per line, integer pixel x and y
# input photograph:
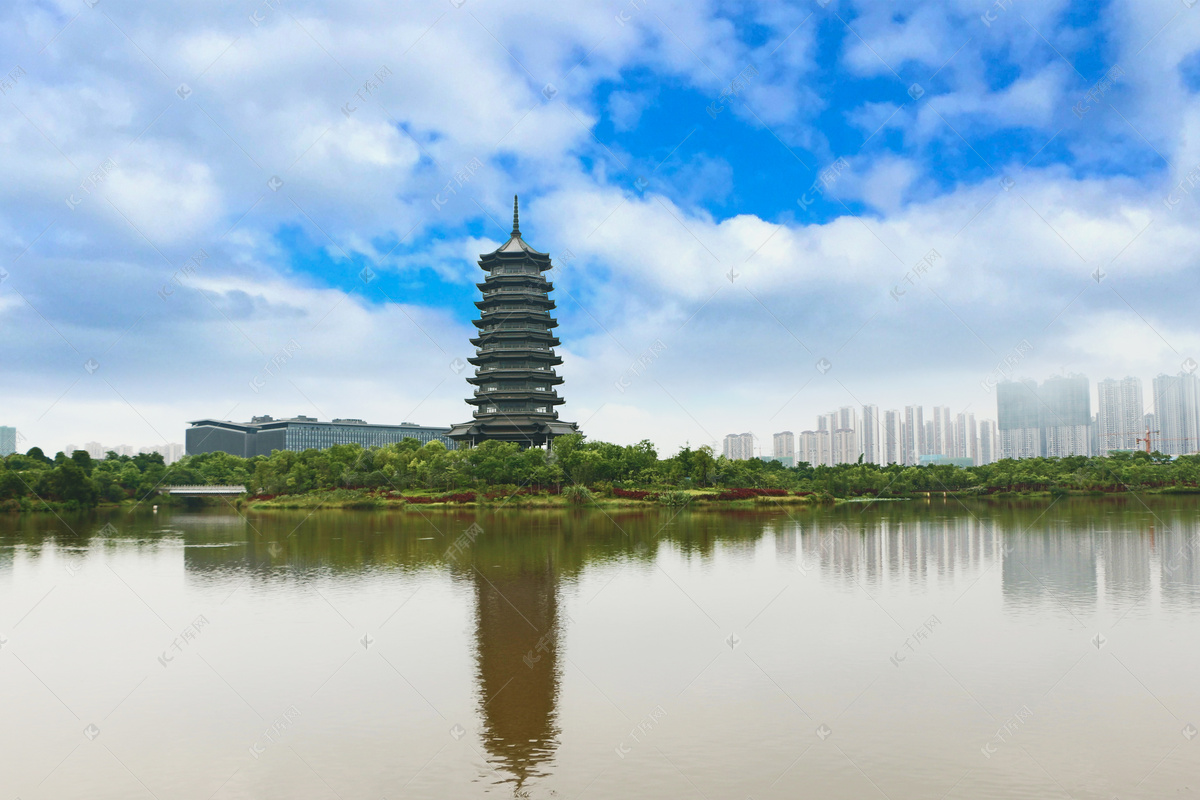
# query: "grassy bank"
{"type": "Point", "coordinates": [568, 498]}
{"type": "Point", "coordinates": [578, 497]}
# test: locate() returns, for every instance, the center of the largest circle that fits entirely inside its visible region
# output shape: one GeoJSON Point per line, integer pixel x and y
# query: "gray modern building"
{"type": "Point", "coordinates": [870, 442]}
{"type": "Point", "coordinates": [987, 442]}
{"type": "Point", "coordinates": [8, 441]}
{"type": "Point", "coordinates": [914, 433]}
{"type": "Point", "coordinates": [892, 438]}
{"type": "Point", "coordinates": [1052, 420]}
{"type": "Point", "coordinates": [785, 445]}
{"type": "Point", "coordinates": [1120, 415]}
{"type": "Point", "coordinates": [1066, 416]}
{"type": "Point", "coordinates": [739, 446]}
{"type": "Point", "coordinates": [262, 435]}
{"type": "Point", "coordinates": [1018, 414]}
{"type": "Point", "coordinates": [1177, 409]}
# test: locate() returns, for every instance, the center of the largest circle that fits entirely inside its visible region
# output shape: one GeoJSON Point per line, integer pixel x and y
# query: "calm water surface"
{"type": "Point", "coordinates": [896, 651]}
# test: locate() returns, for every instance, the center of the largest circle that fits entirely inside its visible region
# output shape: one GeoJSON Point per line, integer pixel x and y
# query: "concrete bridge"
{"type": "Point", "coordinates": [204, 491]}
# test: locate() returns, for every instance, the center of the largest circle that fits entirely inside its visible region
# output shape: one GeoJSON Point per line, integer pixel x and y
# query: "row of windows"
{"type": "Point", "coordinates": [511, 309]}
{"type": "Point", "coordinates": [515, 387]}
{"type": "Point", "coordinates": [516, 271]}
{"type": "Point", "coordinates": [488, 348]}
{"type": "Point", "coordinates": [519, 290]}
{"type": "Point", "coordinates": [303, 438]}
{"type": "Point", "coordinates": [538, 327]}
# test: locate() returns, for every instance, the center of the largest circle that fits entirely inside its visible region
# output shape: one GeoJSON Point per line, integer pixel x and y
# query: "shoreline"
{"type": "Point", "coordinates": [696, 500]}
{"type": "Point", "coordinates": [360, 500]}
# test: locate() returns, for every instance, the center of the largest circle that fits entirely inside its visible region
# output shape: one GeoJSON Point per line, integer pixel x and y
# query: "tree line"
{"type": "Point", "coordinates": [408, 466]}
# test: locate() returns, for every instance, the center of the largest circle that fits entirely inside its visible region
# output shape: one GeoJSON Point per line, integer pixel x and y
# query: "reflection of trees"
{"type": "Point", "coordinates": [1061, 552]}
{"type": "Point", "coordinates": [300, 542]}
{"type": "Point", "coordinates": [1068, 550]}
{"type": "Point", "coordinates": [1045, 554]}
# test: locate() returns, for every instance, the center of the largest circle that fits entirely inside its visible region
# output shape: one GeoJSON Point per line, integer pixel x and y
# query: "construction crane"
{"type": "Point", "coordinates": [1149, 438]}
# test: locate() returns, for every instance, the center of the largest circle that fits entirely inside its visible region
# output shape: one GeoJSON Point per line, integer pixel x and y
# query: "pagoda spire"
{"type": "Point", "coordinates": [516, 231]}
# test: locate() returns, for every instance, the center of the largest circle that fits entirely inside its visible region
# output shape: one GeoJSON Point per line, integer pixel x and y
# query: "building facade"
{"type": "Point", "coordinates": [870, 436]}
{"type": "Point", "coordinates": [914, 433]}
{"type": "Point", "coordinates": [8, 440]}
{"type": "Point", "coordinates": [893, 438]}
{"type": "Point", "coordinates": [1065, 410]}
{"type": "Point", "coordinates": [515, 381]}
{"type": "Point", "coordinates": [845, 446]}
{"type": "Point", "coordinates": [1052, 420]}
{"type": "Point", "coordinates": [966, 437]}
{"type": "Point", "coordinates": [943, 433]}
{"type": "Point", "coordinates": [814, 448]}
{"type": "Point", "coordinates": [1177, 412]}
{"type": "Point", "coordinates": [784, 446]}
{"type": "Point", "coordinates": [1018, 415]}
{"type": "Point", "coordinates": [987, 442]}
{"type": "Point", "coordinates": [1119, 415]}
{"type": "Point", "coordinates": [739, 446]}
{"type": "Point", "coordinates": [263, 435]}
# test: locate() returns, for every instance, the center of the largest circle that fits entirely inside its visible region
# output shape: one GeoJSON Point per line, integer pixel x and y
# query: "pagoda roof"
{"type": "Point", "coordinates": [515, 243]}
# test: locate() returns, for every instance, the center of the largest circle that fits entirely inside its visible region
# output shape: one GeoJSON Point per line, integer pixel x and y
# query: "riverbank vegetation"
{"type": "Point", "coordinates": [578, 472]}
{"type": "Point", "coordinates": [33, 481]}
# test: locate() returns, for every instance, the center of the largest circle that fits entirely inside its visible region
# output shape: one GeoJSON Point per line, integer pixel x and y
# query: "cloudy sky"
{"type": "Point", "coordinates": [760, 211]}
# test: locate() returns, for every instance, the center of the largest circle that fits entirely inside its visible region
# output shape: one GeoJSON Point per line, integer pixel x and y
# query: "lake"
{"type": "Point", "coordinates": [1030, 649]}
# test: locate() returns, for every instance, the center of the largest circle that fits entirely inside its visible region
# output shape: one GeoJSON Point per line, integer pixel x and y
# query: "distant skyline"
{"type": "Point", "coordinates": [1063, 415]}
{"type": "Point", "coordinates": [762, 440]}
{"type": "Point", "coordinates": [759, 213]}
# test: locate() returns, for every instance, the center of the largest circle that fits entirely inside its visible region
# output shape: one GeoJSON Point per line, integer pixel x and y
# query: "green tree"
{"type": "Point", "coordinates": [69, 483]}
{"type": "Point", "coordinates": [83, 460]}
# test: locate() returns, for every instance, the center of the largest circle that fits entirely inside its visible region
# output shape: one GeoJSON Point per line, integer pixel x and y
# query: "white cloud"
{"type": "Point", "coordinates": [625, 108]}
{"type": "Point", "coordinates": [267, 100]}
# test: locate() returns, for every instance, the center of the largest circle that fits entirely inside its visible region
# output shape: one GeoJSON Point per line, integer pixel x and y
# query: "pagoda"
{"type": "Point", "coordinates": [515, 394]}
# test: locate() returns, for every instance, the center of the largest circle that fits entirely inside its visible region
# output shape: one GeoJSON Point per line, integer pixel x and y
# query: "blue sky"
{"type": "Point", "coordinates": [298, 146]}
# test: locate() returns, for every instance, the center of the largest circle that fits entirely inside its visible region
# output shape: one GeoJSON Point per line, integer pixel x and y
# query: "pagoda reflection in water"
{"type": "Point", "coordinates": [517, 666]}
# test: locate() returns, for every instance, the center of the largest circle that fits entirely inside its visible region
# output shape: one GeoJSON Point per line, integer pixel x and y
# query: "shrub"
{"type": "Point", "coordinates": [364, 503]}
{"type": "Point", "coordinates": [751, 492]}
{"type": "Point", "coordinates": [738, 494]}
{"type": "Point", "coordinates": [577, 495]}
{"type": "Point", "coordinates": [674, 498]}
